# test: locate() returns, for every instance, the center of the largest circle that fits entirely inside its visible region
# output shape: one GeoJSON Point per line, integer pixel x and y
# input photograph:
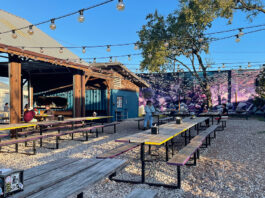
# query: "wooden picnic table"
{"type": "Point", "coordinates": [67, 176]}
{"type": "Point", "coordinates": [211, 114]}
{"type": "Point", "coordinates": [166, 133]}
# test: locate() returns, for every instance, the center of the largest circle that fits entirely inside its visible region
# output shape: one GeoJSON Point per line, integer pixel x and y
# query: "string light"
{"type": "Point", "coordinates": [81, 17]}
{"type": "Point", "coordinates": [108, 48]}
{"type": "Point", "coordinates": [149, 55]}
{"type": "Point", "coordinates": [120, 5]}
{"type": "Point", "coordinates": [30, 30]}
{"type": "Point", "coordinates": [41, 50]}
{"type": "Point", "coordinates": [135, 46]}
{"type": "Point", "coordinates": [201, 39]}
{"type": "Point", "coordinates": [166, 44]}
{"type": "Point", "coordinates": [203, 47]}
{"type": "Point", "coordinates": [249, 65]}
{"type": "Point", "coordinates": [52, 25]}
{"type": "Point", "coordinates": [94, 60]}
{"type": "Point", "coordinates": [110, 59]}
{"type": "Point", "coordinates": [129, 57]}
{"type": "Point", "coordinates": [219, 69]}
{"type": "Point", "coordinates": [241, 33]}
{"type": "Point", "coordinates": [240, 68]}
{"type": "Point", "coordinates": [14, 35]}
{"type": "Point", "coordinates": [61, 50]}
{"type": "Point", "coordinates": [84, 50]}
{"type": "Point", "coordinates": [223, 65]}
{"type": "Point", "coordinates": [237, 38]}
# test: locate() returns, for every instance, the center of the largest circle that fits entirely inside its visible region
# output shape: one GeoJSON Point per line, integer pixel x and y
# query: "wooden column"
{"type": "Point", "coordinates": [83, 96]}
{"type": "Point", "coordinates": [77, 84]}
{"type": "Point", "coordinates": [14, 68]}
{"type": "Point", "coordinates": [30, 93]}
{"type": "Point", "coordinates": [108, 97]}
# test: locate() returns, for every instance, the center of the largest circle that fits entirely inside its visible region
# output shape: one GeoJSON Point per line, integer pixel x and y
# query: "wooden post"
{"type": "Point", "coordinates": [83, 95]}
{"type": "Point", "coordinates": [30, 93]}
{"type": "Point", "coordinates": [77, 84]}
{"type": "Point", "coordinates": [14, 68]}
{"type": "Point", "coordinates": [108, 98]}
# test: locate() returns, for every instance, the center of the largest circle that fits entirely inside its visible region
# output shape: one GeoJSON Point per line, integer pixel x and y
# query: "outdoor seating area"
{"type": "Point", "coordinates": [132, 99]}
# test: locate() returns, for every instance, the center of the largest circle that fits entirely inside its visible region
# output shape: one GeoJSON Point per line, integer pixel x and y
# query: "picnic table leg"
{"type": "Point", "coordinates": [166, 151]}
{"type": "Point", "coordinates": [149, 150]}
{"type": "Point", "coordinates": [185, 136]}
{"type": "Point", "coordinates": [212, 120]}
{"type": "Point", "coordinates": [41, 138]}
{"type": "Point", "coordinates": [172, 143]}
{"type": "Point", "coordinates": [80, 195]}
{"type": "Point", "coordinates": [143, 162]}
{"type": "Point", "coordinates": [179, 177]}
{"type": "Point", "coordinates": [34, 147]}
{"type": "Point", "coordinates": [189, 135]}
{"type": "Point", "coordinates": [16, 135]}
{"type": "Point", "coordinates": [197, 129]}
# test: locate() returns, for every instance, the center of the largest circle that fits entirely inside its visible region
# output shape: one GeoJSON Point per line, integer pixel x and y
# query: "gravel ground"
{"type": "Point", "coordinates": [233, 166]}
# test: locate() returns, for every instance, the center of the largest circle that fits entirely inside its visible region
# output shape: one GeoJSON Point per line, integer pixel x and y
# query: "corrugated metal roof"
{"type": "Point", "coordinates": [39, 38]}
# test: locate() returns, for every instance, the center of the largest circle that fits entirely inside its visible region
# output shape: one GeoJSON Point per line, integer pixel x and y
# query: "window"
{"type": "Point", "coordinates": [119, 101]}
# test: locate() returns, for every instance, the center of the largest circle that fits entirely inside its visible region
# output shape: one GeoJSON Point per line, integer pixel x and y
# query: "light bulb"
{"type": "Point", "coordinates": [241, 33]}
{"type": "Point", "coordinates": [249, 65]}
{"type": "Point", "coordinates": [150, 56]}
{"type": "Point", "coordinates": [108, 48]}
{"type": "Point", "coordinates": [223, 65]}
{"type": "Point", "coordinates": [52, 25]}
{"type": "Point", "coordinates": [120, 5]}
{"type": "Point", "coordinates": [174, 52]}
{"type": "Point", "coordinates": [110, 59]}
{"type": "Point", "coordinates": [14, 35]}
{"type": "Point", "coordinates": [94, 60]}
{"type": "Point", "coordinates": [135, 47]}
{"type": "Point", "coordinates": [84, 50]}
{"type": "Point", "coordinates": [61, 50]}
{"type": "Point", "coordinates": [237, 38]}
{"type": "Point", "coordinates": [200, 39]}
{"type": "Point", "coordinates": [41, 50]}
{"type": "Point", "coordinates": [129, 57]}
{"type": "Point", "coordinates": [81, 17]}
{"type": "Point", "coordinates": [240, 67]}
{"type": "Point", "coordinates": [166, 44]}
{"type": "Point", "coordinates": [219, 69]}
{"type": "Point", "coordinates": [30, 30]}
{"type": "Point", "coordinates": [203, 47]}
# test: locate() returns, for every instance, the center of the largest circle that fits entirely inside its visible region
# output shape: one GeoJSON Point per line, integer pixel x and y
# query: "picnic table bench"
{"type": "Point", "coordinates": [192, 149]}
{"type": "Point", "coordinates": [66, 176]}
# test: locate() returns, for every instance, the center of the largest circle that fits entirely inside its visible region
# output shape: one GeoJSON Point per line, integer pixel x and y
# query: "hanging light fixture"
{"type": "Point", "coordinates": [52, 25]}
{"type": "Point", "coordinates": [240, 68]}
{"type": "Point", "coordinates": [135, 46]}
{"type": "Point", "coordinates": [84, 50]}
{"type": "Point", "coordinates": [241, 33]}
{"type": "Point", "coordinates": [149, 55]}
{"type": "Point", "coordinates": [166, 44]}
{"type": "Point", "coordinates": [237, 38]}
{"type": "Point", "coordinates": [30, 30]}
{"type": "Point", "coordinates": [120, 5]}
{"type": "Point", "coordinates": [14, 35]}
{"type": "Point", "coordinates": [108, 48]}
{"type": "Point", "coordinates": [129, 57]}
{"type": "Point", "coordinates": [110, 59]}
{"type": "Point", "coordinates": [61, 50]}
{"type": "Point", "coordinates": [41, 50]}
{"type": "Point", "coordinates": [94, 60]}
{"type": "Point", "coordinates": [81, 17]}
{"type": "Point", "coordinates": [249, 65]}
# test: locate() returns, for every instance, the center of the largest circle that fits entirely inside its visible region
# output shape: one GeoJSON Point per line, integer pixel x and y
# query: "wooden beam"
{"type": "Point", "coordinates": [14, 67]}
{"type": "Point", "coordinates": [77, 84]}
{"type": "Point", "coordinates": [83, 95]}
{"type": "Point", "coordinates": [30, 93]}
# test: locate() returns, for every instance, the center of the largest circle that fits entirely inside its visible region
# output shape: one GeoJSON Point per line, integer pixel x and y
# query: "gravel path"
{"type": "Point", "coordinates": [233, 166]}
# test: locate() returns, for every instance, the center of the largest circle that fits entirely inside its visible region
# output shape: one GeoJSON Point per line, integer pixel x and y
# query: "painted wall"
{"type": "Point", "coordinates": [129, 105]}
{"type": "Point", "coordinates": [226, 87]}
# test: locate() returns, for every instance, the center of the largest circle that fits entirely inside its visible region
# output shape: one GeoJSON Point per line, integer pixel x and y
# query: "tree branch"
{"type": "Point", "coordinates": [244, 5]}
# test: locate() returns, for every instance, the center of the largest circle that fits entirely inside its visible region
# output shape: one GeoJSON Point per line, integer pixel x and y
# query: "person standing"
{"type": "Point", "coordinates": [149, 110]}
{"type": "Point", "coordinates": [6, 107]}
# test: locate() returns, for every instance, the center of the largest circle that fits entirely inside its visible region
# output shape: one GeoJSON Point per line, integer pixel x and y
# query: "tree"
{"type": "Point", "coordinates": [260, 88]}
{"type": "Point", "coordinates": [165, 41]}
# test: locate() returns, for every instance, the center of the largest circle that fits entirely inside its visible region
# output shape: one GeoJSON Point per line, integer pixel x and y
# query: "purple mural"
{"type": "Point", "coordinates": [168, 90]}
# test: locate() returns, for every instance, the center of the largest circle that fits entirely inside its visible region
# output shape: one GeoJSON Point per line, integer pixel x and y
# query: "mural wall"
{"type": "Point", "coordinates": [168, 89]}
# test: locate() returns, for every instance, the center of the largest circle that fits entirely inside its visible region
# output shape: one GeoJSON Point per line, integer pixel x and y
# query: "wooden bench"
{"type": "Point", "coordinates": [118, 151]}
{"type": "Point", "coordinates": [142, 193]}
{"type": "Point", "coordinates": [66, 177]}
{"type": "Point", "coordinates": [166, 119]}
{"type": "Point", "coordinates": [192, 149]}
{"type": "Point", "coordinates": [139, 120]}
{"type": "Point", "coordinates": [110, 124]}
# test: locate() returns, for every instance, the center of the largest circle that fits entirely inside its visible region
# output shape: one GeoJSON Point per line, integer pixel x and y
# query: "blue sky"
{"type": "Point", "coordinates": [106, 25]}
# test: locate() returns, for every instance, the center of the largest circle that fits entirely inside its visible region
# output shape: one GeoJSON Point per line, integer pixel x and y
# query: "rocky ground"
{"type": "Point", "coordinates": [233, 166]}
